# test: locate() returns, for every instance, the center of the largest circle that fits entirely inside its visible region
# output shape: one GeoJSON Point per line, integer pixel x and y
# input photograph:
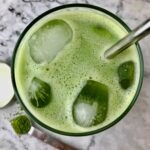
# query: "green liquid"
{"type": "Point", "coordinates": [80, 60]}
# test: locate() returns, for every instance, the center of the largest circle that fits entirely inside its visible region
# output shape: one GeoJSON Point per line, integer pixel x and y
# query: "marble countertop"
{"type": "Point", "coordinates": [131, 133]}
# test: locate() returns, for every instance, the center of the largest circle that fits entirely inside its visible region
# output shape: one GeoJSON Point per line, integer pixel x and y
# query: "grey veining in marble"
{"type": "Point", "coordinates": [131, 133]}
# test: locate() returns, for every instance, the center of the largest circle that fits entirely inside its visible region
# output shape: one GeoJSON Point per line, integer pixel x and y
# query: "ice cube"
{"type": "Point", "coordinates": [39, 93]}
{"type": "Point", "coordinates": [49, 40]}
{"type": "Point", "coordinates": [126, 74]}
{"type": "Point", "coordinates": [91, 105]}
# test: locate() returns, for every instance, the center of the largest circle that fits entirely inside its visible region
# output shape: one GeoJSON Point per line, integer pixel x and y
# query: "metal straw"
{"type": "Point", "coordinates": [134, 36]}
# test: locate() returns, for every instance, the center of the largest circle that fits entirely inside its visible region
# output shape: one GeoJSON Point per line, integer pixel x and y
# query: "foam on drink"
{"type": "Point", "coordinates": [77, 61]}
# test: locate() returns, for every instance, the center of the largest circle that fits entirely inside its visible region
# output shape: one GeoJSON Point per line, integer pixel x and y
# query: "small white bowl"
{"type": "Point", "coordinates": [6, 88]}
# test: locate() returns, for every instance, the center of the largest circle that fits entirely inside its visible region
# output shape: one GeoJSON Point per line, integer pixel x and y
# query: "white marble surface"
{"type": "Point", "coordinates": [131, 133]}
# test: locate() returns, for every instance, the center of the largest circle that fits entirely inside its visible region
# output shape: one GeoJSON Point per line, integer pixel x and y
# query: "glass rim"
{"type": "Point", "coordinates": [88, 132]}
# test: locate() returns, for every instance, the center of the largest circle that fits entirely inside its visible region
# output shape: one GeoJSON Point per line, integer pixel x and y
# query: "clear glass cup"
{"type": "Point", "coordinates": [75, 6]}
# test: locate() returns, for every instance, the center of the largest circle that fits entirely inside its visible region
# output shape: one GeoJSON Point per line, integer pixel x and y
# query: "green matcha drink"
{"type": "Point", "coordinates": [61, 75]}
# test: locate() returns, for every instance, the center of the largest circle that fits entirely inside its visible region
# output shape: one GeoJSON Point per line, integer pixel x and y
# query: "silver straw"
{"type": "Point", "coordinates": [134, 36]}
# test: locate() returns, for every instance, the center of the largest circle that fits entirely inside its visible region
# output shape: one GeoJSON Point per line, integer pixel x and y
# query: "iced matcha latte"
{"type": "Point", "coordinates": [62, 78]}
